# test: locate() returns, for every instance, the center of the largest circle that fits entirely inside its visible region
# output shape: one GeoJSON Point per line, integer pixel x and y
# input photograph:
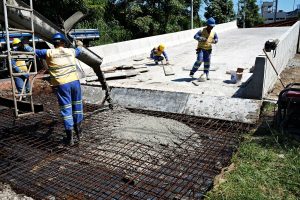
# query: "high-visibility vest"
{"type": "Point", "coordinates": [22, 65]}
{"type": "Point", "coordinates": [62, 65]}
{"type": "Point", "coordinates": [207, 44]}
{"type": "Point", "coordinates": [157, 52]}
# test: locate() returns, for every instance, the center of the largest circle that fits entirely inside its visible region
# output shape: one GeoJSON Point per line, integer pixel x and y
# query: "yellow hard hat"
{"type": "Point", "coordinates": [161, 47]}
{"type": "Point", "coordinates": [16, 41]}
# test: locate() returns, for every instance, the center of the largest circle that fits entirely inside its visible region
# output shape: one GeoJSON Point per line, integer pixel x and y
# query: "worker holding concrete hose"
{"type": "Point", "coordinates": [20, 66]}
{"type": "Point", "coordinates": [205, 38]}
{"type": "Point", "coordinates": [159, 54]}
{"type": "Point", "coordinates": [62, 68]}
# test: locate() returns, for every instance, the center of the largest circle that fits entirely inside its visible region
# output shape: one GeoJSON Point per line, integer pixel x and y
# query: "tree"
{"type": "Point", "coordinates": [221, 10]}
{"type": "Point", "coordinates": [58, 10]}
{"type": "Point", "coordinates": [248, 14]}
{"type": "Point", "coordinates": [120, 20]}
{"type": "Point", "coordinates": [151, 17]}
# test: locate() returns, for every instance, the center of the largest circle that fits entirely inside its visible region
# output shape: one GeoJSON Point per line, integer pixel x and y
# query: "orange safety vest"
{"type": "Point", "coordinates": [62, 65]}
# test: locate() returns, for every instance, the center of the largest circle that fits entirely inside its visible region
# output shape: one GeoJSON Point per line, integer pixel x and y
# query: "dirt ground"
{"type": "Point", "coordinates": [290, 75]}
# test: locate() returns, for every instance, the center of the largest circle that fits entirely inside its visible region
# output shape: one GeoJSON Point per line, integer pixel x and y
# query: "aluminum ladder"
{"type": "Point", "coordinates": [20, 55]}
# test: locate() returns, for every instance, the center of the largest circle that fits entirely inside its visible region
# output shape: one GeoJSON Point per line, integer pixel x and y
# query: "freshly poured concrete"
{"type": "Point", "coordinates": [236, 48]}
{"type": "Point", "coordinates": [151, 130]}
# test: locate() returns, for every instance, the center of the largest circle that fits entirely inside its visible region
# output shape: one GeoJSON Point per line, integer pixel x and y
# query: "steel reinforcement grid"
{"type": "Point", "coordinates": [34, 161]}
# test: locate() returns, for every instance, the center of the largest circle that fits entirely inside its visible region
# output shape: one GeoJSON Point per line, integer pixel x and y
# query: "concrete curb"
{"type": "Point", "coordinates": [240, 110]}
{"type": "Point", "coordinates": [264, 77]}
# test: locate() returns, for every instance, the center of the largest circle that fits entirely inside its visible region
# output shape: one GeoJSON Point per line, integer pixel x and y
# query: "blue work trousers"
{"type": "Point", "coordinates": [20, 82]}
{"type": "Point", "coordinates": [202, 56]}
{"type": "Point", "coordinates": [70, 102]}
{"type": "Point", "coordinates": [156, 58]}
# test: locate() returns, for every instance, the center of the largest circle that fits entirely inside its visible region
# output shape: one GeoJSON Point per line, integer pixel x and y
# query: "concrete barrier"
{"type": "Point", "coordinates": [132, 48]}
{"type": "Point", "coordinates": [264, 77]}
{"type": "Point", "coordinates": [236, 109]}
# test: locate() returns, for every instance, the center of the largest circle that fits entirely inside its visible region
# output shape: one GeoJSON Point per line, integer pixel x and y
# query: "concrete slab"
{"type": "Point", "coordinates": [237, 48]}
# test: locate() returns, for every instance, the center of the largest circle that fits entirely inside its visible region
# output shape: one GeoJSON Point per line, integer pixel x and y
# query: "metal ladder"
{"type": "Point", "coordinates": [20, 55]}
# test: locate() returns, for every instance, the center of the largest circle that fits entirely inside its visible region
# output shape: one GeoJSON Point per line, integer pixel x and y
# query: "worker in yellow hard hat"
{"type": "Point", "coordinates": [20, 66]}
{"type": "Point", "coordinates": [157, 52]}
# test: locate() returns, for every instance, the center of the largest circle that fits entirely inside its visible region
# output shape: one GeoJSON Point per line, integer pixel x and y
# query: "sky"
{"type": "Point", "coordinates": [285, 5]}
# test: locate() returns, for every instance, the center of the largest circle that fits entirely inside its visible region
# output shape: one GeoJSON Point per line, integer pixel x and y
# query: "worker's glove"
{"type": "Point", "coordinates": [202, 39]}
{"type": "Point", "coordinates": [78, 43]}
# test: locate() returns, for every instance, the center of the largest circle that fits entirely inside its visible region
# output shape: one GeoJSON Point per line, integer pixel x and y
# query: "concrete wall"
{"type": "Point", "coordinates": [117, 51]}
{"type": "Point", "coordinates": [236, 109]}
{"type": "Point", "coordinates": [264, 76]}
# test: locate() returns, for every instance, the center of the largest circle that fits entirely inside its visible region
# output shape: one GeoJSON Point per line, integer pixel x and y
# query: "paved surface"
{"type": "Point", "coordinates": [236, 48]}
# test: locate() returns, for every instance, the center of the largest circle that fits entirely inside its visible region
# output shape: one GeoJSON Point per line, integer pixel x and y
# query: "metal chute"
{"type": "Point", "coordinates": [45, 29]}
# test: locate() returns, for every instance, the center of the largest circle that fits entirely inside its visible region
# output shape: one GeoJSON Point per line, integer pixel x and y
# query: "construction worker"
{"type": "Point", "coordinates": [157, 52]}
{"type": "Point", "coordinates": [20, 66]}
{"type": "Point", "coordinates": [25, 42]}
{"type": "Point", "coordinates": [62, 68]}
{"type": "Point", "coordinates": [205, 38]}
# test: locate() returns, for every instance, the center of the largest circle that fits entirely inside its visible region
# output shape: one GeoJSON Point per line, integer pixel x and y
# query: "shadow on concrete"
{"type": "Point", "coordinates": [228, 82]}
{"type": "Point", "coordinates": [184, 79]}
{"type": "Point", "coordinates": [151, 64]}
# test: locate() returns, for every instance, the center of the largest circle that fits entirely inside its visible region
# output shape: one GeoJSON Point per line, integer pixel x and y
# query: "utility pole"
{"type": "Point", "coordinates": [192, 14]}
{"type": "Point", "coordinates": [242, 7]}
{"type": "Point", "coordinates": [275, 13]}
{"type": "Point", "coordinates": [294, 6]}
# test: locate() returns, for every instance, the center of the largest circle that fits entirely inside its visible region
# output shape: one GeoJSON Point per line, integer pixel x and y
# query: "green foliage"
{"type": "Point", "coordinates": [152, 17]}
{"type": "Point", "coordinates": [267, 167]}
{"type": "Point", "coordinates": [58, 10]}
{"type": "Point", "coordinates": [221, 10]}
{"type": "Point", "coordinates": [252, 17]}
{"type": "Point", "coordinates": [120, 20]}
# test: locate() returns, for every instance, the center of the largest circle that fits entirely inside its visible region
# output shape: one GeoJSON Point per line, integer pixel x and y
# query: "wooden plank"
{"type": "Point", "coordinates": [168, 70]}
{"type": "Point", "coordinates": [114, 75]}
{"type": "Point", "coordinates": [138, 59]}
{"type": "Point", "coordinates": [196, 83]}
{"type": "Point", "coordinates": [215, 68]}
{"type": "Point", "coordinates": [22, 105]}
{"type": "Point", "coordinates": [142, 70]}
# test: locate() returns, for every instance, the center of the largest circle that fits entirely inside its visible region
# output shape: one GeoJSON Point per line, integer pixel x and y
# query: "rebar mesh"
{"type": "Point", "coordinates": [34, 161]}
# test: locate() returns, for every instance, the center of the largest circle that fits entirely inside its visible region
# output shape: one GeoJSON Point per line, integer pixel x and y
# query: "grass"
{"type": "Point", "coordinates": [267, 166]}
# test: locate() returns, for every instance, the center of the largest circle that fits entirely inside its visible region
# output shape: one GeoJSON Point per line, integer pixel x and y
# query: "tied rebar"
{"type": "Point", "coordinates": [35, 162]}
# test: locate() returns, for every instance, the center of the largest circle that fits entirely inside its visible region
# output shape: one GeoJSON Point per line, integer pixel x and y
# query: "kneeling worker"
{"type": "Point", "coordinates": [63, 75]}
{"type": "Point", "coordinates": [157, 52]}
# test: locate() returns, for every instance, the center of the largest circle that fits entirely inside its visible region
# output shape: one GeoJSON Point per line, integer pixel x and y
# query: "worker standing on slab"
{"type": "Point", "coordinates": [20, 66]}
{"type": "Point", "coordinates": [159, 54]}
{"type": "Point", "coordinates": [62, 68]}
{"type": "Point", "coordinates": [205, 38]}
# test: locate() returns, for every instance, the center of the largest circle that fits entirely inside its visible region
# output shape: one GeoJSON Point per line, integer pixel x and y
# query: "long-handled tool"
{"type": "Point", "coordinates": [274, 68]}
{"type": "Point", "coordinates": [68, 25]}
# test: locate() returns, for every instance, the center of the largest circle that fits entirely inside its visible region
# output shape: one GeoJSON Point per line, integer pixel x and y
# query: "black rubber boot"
{"type": "Point", "coordinates": [69, 139]}
{"type": "Point", "coordinates": [78, 130]}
